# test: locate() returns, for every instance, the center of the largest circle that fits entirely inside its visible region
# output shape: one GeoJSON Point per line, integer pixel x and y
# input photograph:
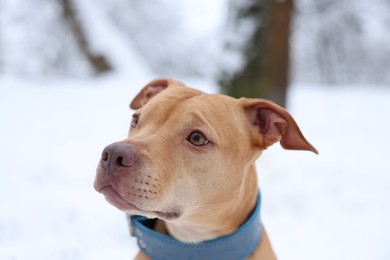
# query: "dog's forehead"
{"type": "Point", "coordinates": [219, 115]}
{"type": "Point", "coordinates": [177, 95]}
{"type": "Point", "coordinates": [165, 103]}
{"type": "Point", "coordinates": [184, 99]}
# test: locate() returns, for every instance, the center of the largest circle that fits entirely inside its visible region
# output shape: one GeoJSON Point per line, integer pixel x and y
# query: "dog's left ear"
{"type": "Point", "coordinates": [272, 123]}
{"type": "Point", "coordinates": [149, 91]}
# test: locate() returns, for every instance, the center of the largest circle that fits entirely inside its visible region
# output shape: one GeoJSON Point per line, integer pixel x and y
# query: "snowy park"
{"type": "Point", "coordinates": [335, 205]}
{"type": "Point", "coordinates": [54, 126]}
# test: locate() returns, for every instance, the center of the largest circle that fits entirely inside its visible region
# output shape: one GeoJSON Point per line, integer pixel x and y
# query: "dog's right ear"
{"type": "Point", "coordinates": [149, 91]}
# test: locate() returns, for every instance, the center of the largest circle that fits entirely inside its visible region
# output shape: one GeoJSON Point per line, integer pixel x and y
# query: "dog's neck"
{"type": "Point", "coordinates": [216, 221]}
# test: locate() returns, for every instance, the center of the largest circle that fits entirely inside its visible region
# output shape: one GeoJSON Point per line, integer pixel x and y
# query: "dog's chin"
{"type": "Point", "coordinates": [115, 199]}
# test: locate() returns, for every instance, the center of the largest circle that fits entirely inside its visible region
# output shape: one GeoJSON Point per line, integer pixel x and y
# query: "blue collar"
{"type": "Point", "coordinates": [238, 245]}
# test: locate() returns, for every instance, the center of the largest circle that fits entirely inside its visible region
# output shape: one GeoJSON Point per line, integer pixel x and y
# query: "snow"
{"type": "Point", "coordinates": [213, 15]}
{"type": "Point", "coordinates": [335, 205]}
{"type": "Point", "coordinates": [332, 206]}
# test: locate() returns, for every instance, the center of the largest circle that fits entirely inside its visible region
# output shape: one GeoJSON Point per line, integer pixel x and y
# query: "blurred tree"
{"type": "Point", "coordinates": [162, 40]}
{"type": "Point", "coordinates": [338, 60]}
{"type": "Point", "coordinates": [36, 40]}
{"type": "Point", "coordinates": [98, 62]}
{"type": "Point", "coordinates": [265, 69]}
{"type": "Point", "coordinates": [341, 42]}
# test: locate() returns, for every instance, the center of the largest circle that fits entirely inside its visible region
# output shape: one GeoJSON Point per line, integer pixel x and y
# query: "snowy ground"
{"type": "Point", "coordinates": [332, 206]}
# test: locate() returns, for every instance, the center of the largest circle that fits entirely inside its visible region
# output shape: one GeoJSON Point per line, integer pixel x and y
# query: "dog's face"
{"type": "Point", "coordinates": [187, 150]}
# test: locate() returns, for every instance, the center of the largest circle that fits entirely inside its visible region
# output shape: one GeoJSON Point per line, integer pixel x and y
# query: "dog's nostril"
{"type": "Point", "coordinates": [119, 161]}
{"type": "Point", "coordinates": [105, 156]}
{"type": "Point", "coordinates": [117, 155]}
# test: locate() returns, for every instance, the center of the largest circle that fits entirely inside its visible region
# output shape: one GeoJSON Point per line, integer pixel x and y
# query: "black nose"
{"type": "Point", "coordinates": [118, 155]}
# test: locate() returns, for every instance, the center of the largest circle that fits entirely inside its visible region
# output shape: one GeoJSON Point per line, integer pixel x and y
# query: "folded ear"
{"type": "Point", "coordinates": [271, 123]}
{"type": "Point", "coordinates": [149, 91]}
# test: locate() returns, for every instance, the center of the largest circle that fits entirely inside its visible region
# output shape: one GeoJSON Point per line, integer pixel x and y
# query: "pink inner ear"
{"type": "Point", "coordinates": [272, 125]}
{"type": "Point", "coordinates": [280, 126]}
{"type": "Point", "coordinates": [267, 120]}
{"type": "Point", "coordinates": [149, 91]}
{"type": "Point", "coordinates": [154, 90]}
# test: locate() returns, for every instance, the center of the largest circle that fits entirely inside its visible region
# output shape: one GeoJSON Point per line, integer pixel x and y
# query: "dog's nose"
{"type": "Point", "coordinates": [118, 155]}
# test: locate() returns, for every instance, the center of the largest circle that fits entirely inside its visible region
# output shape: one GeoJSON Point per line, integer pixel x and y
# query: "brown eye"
{"type": "Point", "coordinates": [134, 121]}
{"type": "Point", "coordinates": [197, 139]}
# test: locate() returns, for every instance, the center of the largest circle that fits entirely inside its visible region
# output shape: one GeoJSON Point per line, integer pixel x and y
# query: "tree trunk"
{"type": "Point", "coordinates": [266, 72]}
{"type": "Point", "coordinates": [98, 62]}
{"type": "Point", "coordinates": [278, 50]}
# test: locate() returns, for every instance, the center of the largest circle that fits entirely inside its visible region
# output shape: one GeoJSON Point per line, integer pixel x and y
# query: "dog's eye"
{"type": "Point", "coordinates": [134, 121]}
{"type": "Point", "coordinates": [197, 139]}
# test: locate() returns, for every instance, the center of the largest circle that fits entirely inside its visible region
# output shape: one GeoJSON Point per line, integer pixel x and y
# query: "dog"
{"type": "Point", "coordinates": [186, 172]}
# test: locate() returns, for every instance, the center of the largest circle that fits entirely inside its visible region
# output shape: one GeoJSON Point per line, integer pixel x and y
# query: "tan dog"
{"type": "Point", "coordinates": [189, 159]}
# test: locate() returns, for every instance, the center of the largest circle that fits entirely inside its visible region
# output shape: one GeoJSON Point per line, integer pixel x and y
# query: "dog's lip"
{"type": "Point", "coordinates": [168, 215]}
{"type": "Point", "coordinates": [117, 200]}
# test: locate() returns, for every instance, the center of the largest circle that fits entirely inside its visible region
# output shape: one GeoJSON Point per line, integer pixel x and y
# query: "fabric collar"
{"type": "Point", "coordinates": [238, 245]}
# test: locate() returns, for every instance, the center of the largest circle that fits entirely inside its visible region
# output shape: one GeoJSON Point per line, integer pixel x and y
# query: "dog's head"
{"type": "Point", "coordinates": [186, 149]}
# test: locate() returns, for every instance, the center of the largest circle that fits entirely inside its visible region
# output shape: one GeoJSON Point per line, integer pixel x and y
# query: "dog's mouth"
{"type": "Point", "coordinates": [115, 199]}
{"type": "Point", "coordinates": [118, 201]}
